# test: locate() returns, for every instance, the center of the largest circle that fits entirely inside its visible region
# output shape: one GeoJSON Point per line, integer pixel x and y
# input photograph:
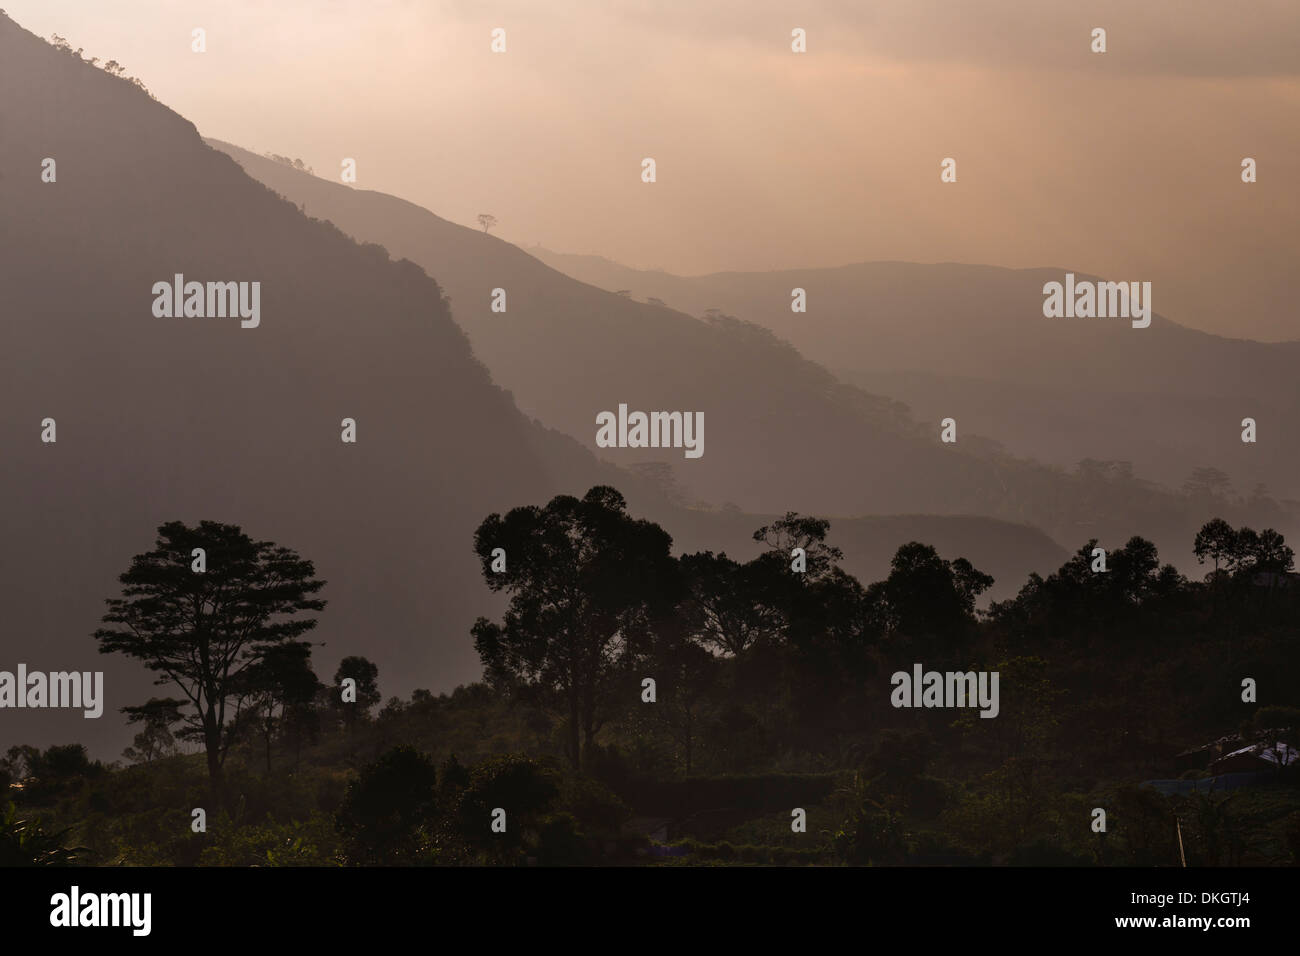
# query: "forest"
{"type": "Point", "coordinates": [639, 707]}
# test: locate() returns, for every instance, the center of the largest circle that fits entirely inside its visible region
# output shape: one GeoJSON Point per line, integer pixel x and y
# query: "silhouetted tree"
{"type": "Point", "coordinates": [927, 600]}
{"type": "Point", "coordinates": [685, 673]}
{"type": "Point", "coordinates": [387, 806]}
{"type": "Point", "coordinates": [797, 531]}
{"type": "Point", "coordinates": [1263, 551]}
{"type": "Point", "coordinates": [586, 580]}
{"type": "Point", "coordinates": [1243, 550]}
{"type": "Point", "coordinates": [279, 681]}
{"type": "Point", "coordinates": [524, 788]}
{"type": "Point", "coordinates": [366, 674]}
{"type": "Point", "coordinates": [486, 221]}
{"type": "Point", "coordinates": [201, 630]}
{"type": "Point", "coordinates": [727, 603]}
{"type": "Point", "coordinates": [1217, 541]}
{"type": "Point", "coordinates": [159, 715]}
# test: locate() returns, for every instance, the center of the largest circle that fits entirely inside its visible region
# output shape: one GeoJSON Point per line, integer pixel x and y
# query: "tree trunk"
{"type": "Point", "coordinates": [574, 740]}
{"type": "Point", "coordinates": [212, 744]}
{"type": "Point", "coordinates": [588, 724]}
{"type": "Point", "coordinates": [214, 769]}
{"type": "Point", "coordinates": [690, 739]}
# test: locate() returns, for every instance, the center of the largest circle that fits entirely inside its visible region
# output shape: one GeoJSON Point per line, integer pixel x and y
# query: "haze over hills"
{"type": "Point", "coordinates": [944, 337]}
{"type": "Point", "coordinates": [188, 419]}
{"type": "Point", "coordinates": [568, 351]}
{"type": "Point", "coordinates": [782, 431]}
{"type": "Point", "coordinates": [951, 578]}
{"type": "Point", "coordinates": [199, 418]}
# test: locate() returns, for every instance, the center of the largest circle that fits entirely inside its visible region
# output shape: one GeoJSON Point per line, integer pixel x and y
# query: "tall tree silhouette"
{"type": "Point", "coordinates": [201, 630]}
{"type": "Point", "coordinates": [279, 681]}
{"type": "Point", "coordinates": [1217, 541]}
{"type": "Point", "coordinates": [159, 715]}
{"type": "Point", "coordinates": [926, 601]}
{"type": "Point", "coordinates": [366, 675]}
{"type": "Point", "coordinates": [731, 605]}
{"type": "Point", "coordinates": [800, 531]}
{"type": "Point", "coordinates": [1263, 551]}
{"type": "Point", "coordinates": [586, 582]}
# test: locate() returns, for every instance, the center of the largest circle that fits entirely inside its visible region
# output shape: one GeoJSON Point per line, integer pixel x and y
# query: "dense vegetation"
{"type": "Point", "coordinates": [771, 692]}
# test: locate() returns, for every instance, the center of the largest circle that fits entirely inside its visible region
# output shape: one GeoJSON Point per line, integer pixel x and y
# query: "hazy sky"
{"type": "Point", "coordinates": [1125, 164]}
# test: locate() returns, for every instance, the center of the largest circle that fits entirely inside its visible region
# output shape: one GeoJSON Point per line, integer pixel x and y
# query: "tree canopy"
{"type": "Point", "coordinates": [203, 609]}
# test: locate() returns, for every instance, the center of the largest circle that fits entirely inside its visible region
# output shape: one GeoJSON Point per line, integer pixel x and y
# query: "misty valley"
{"type": "Point", "coordinates": [989, 567]}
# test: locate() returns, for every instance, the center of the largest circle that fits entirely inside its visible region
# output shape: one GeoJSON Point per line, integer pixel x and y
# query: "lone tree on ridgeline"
{"type": "Point", "coordinates": [202, 621]}
{"type": "Point", "coordinates": [587, 583]}
{"type": "Point", "coordinates": [1216, 541]}
{"type": "Point", "coordinates": [486, 220]}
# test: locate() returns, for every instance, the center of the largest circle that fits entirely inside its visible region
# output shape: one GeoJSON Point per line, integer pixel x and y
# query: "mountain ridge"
{"type": "Point", "coordinates": [189, 418]}
{"type": "Point", "coordinates": [844, 450]}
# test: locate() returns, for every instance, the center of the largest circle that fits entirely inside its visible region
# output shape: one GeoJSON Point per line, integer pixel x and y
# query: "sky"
{"type": "Point", "coordinates": [1125, 164]}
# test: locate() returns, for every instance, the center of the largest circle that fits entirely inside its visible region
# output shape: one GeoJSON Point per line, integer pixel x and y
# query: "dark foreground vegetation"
{"type": "Point", "coordinates": [644, 708]}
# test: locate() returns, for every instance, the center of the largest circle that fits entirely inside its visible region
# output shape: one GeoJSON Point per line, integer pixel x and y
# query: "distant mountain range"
{"type": "Point", "coordinates": [191, 418]}
{"type": "Point", "coordinates": [972, 342]}
{"type": "Point", "coordinates": [785, 432]}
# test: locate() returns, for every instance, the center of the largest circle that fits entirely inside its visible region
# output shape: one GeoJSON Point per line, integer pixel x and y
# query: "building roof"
{"type": "Point", "coordinates": [1228, 740]}
{"type": "Point", "coordinates": [1278, 754]}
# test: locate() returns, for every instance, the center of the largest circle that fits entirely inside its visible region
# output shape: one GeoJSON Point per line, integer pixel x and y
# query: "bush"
{"type": "Point", "coordinates": [311, 842]}
{"type": "Point", "coordinates": [524, 787]}
{"type": "Point", "coordinates": [595, 807]}
{"type": "Point", "coordinates": [28, 843]}
{"type": "Point", "coordinates": [387, 806]}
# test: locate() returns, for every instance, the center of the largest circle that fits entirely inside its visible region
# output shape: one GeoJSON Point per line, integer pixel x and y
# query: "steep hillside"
{"type": "Point", "coordinates": [201, 418]}
{"type": "Point", "coordinates": [782, 432]}
{"type": "Point", "coordinates": [192, 418]}
{"type": "Point", "coordinates": [948, 336]}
